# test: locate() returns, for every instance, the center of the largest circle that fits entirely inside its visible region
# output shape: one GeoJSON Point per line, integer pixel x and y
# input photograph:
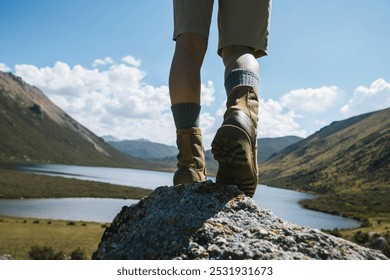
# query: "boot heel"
{"type": "Point", "coordinates": [232, 148]}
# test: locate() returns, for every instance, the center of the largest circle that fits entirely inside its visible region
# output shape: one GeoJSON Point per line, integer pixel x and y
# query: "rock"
{"type": "Point", "coordinates": [378, 243]}
{"type": "Point", "coordinates": [37, 109]}
{"type": "Point", "coordinates": [207, 221]}
{"type": "Point", "coordinates": [6, 257]}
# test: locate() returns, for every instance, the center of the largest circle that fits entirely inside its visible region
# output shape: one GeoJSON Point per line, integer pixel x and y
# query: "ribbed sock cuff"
{"type": "Point", "coordinates": [241, 77]}
{"type": "Point", "coordinates": [186, 115]}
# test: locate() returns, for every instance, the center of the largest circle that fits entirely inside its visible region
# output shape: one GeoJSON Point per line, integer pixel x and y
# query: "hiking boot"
{"type": "Point", "coordinates": [191, 159]}
{"type": "Point", "coordinates": [235, 144]}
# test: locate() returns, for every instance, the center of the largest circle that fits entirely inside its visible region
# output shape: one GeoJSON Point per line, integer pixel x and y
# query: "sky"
{"type": "Point", "coordinates": [106, 63]}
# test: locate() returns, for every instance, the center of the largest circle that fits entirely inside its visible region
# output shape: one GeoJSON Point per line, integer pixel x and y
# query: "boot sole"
{"type": "Point", "coordinates": [237, 158]}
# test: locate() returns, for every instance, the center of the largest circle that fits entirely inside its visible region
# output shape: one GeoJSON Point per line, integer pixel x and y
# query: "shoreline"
{"type": "Point", "coordinates": [15, 184]}
{"type": "Point", "coordinates": [40, 186]}
{"type": "Point", "coordinates": [23, 185]}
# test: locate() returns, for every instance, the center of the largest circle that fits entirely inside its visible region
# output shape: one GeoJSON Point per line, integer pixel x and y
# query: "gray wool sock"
{"type": "Point", "coordinates": [186, 115]}
{"type": "Point", "coordinates": [241, 76]}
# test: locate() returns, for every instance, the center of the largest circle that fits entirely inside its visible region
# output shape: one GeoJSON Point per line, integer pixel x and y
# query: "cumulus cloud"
{"type": "Point", "coordinates": [367, 99]}
{"type": "Point", "coordinates": [132, 61]}
{"type": "Point", "coordinates": [102, 61]}
{"type": "Point", "coordinates": [114, 101]}
{"type": "Point", "coordinates": [207, 93]}
{"type": "Point", "coordinates": [4, 68]}
{"type": "Point", "coordinates": [275, 122]}
{"type": "Point", "coordinates": [310, 100]}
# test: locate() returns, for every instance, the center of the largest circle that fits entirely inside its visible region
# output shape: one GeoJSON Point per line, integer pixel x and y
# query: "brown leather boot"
{"type": "Point", "coordinates": [191, 159]}
{"type": "Point", "coordinates": [235, 144]}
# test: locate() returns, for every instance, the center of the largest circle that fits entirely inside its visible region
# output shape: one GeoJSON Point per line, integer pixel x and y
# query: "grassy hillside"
{"type": "Point", "coordinates": [348, 165]}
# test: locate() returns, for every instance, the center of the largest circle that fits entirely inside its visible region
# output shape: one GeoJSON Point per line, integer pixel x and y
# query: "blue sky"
{"type": "Point", "coordinates": [106, 63]}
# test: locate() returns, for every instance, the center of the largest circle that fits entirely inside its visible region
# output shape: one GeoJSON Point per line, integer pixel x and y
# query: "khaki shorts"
{"type": "Point", "coordinates": [240, 22]}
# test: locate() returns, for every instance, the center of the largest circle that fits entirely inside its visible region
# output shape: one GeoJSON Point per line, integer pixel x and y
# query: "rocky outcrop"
{"type": "Point", "coordinates": [206, 221]}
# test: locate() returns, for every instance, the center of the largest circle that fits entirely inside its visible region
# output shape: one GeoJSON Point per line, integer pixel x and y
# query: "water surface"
{"type": "Point", "coordinates": [282, 202]}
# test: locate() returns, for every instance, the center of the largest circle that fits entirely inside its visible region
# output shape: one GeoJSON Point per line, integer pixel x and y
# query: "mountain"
{"type": "Point", "coordinates": [270, 146]}
{"type": "Point", "coordinates": [33, 129]}
{"type": "Point", "coordinates": [348, 155]}
{"type": "Point", "coordinates": [143, 148]}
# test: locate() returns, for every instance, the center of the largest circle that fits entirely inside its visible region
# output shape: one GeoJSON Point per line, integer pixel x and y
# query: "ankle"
{"type": "Point", "coordinates": [186, 115]}
{"type": "Point", "coordinates": [241, 77]}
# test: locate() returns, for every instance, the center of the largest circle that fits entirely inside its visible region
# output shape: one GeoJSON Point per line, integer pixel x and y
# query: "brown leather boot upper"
{"type": "Point", "coordinates": [191, 158]}
{"type": "Point", "coordinates": [235, 143]}
{"type": "Point", "coordinates": [242, 110]}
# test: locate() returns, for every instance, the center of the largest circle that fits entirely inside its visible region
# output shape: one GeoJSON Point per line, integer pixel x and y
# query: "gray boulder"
{"type": "Point", "coordinates": [6, 257]}
{"type": "Point", "coordinates": [207, 221]}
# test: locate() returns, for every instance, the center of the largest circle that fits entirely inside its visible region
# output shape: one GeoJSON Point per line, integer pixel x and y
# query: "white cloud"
{"type": "Point", "coordinates": [274, 122]}
{"type": "Point", "coordinates": [4, 68]}
{"type": "Point", "coordinates": [367, 99]}
{"type": "Point", "coordinates": [207, 124]}
{"type": "Point", "coordinates": [102, 61]}
{"type": "Point", "coordinates": [115, 101]}
{"type": "Point", "coordinates": [207, 93]}
{"type": "Point", "coordinates": [110, 102]}
{"type": "Point", "coordinates": [310, 100]}
{"type": "Point", "coordinates": [132, 61]}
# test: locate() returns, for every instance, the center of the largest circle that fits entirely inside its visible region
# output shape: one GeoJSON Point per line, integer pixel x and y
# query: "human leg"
{"type": "Point", "coordinates": [192, 20]}
{"type": "Point", "coordinates": [184, 77]}
{"type": "Point", "coordinates": [184, 87]}
{"type": "Point", "coordinates": [235, 143]}
{"type": "Point", "coordinates": [243, 35]}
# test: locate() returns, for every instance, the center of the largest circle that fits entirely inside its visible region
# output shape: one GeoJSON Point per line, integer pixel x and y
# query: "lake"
{"type": "Point", "coordinates": [283, 203]}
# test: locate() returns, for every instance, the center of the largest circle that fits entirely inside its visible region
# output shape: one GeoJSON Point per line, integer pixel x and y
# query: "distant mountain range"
{"type": "Point", "coordinates": [143, 148]}
{"type": "Point", "coordinates": [270, 146]}
{"type": "Point", "coordinates": [33, 129]}
{"type": "Point", "coordinates": [156, 152]}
